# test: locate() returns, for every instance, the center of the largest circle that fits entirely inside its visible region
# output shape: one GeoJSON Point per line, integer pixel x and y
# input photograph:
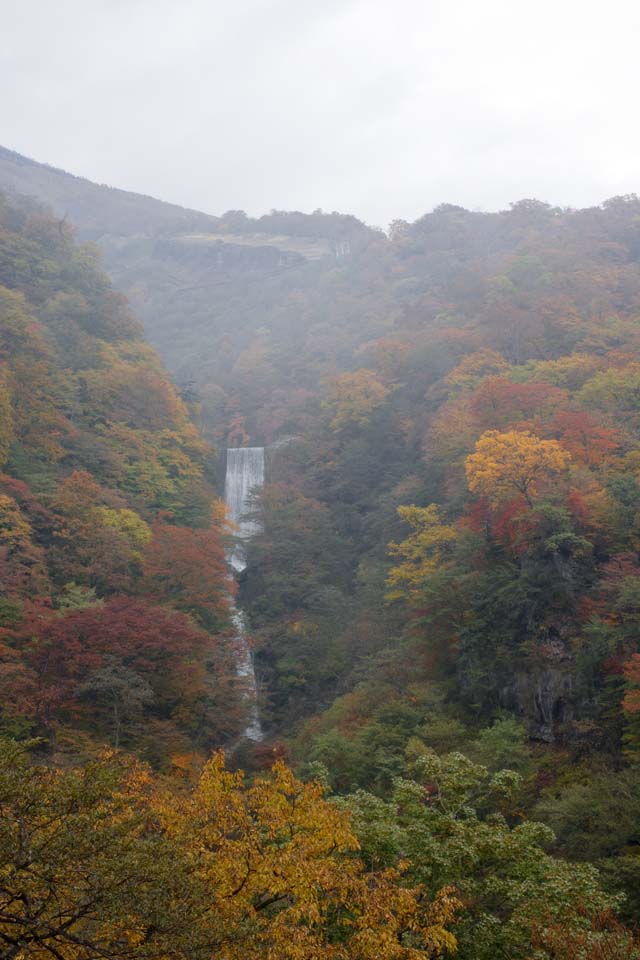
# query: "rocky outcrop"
{"type": "Point", "coordinates": [544, 698]}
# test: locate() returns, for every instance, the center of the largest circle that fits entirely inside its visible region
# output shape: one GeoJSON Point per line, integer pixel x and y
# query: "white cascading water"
{"type": "Point", "coordinates": [245, 474]}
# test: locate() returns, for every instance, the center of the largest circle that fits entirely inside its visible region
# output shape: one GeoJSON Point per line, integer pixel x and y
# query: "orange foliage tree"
{"type": "Point", "coordinates": [498, 402]}
{"type": "Point", "coordinates": [586, 437]}
{"type": "Point", "coordinates": [87, 546]}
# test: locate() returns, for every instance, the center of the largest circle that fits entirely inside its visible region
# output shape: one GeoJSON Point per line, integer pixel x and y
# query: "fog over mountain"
{"type": "Point", "coordinates": [374, 108]}
{"type": "Point", "coordinates": [319, 480]}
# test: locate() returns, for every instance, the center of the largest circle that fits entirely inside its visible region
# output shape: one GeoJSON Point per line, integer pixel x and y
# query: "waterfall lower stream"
{"type": "Point", "coordinates": [245, 473]}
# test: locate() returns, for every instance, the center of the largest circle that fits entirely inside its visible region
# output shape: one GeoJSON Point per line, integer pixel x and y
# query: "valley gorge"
{"type": "Point", "coordinates": [417, 454]}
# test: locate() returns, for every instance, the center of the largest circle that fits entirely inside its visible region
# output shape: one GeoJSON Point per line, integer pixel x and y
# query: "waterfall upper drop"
{"type": "Point", "coordinates": [245, 474]}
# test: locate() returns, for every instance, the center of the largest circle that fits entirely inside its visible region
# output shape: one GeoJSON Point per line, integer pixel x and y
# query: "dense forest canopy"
{"type": "Point", "coordinates": [443, 592]}
{"type": "Point", "coordinates": [114, 614]}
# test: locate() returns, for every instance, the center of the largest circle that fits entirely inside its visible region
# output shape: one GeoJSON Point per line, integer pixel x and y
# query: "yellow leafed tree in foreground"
{"type": "Point", "coordinates": [104, 862]}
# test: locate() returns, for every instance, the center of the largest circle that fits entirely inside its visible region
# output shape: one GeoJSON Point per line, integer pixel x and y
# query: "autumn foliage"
{"type": "Point", "coordinates": [115, 614]}
{"type": "Point", "coordinates": [119, 865]}
{"type": "Point", "coordinates": [353, 397]}
{"type": "Point", "coordinates": [186, 569]}
{"type": "Point", "coordinates": [447, 576]}
{"type": "Point", "coordinates": [514, 462]}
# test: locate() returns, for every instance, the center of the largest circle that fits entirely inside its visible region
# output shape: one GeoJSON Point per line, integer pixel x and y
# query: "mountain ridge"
{"type": "Point", "coordinates": [77, 197]}
{"type": "Point", "coordinates": [15, 169]}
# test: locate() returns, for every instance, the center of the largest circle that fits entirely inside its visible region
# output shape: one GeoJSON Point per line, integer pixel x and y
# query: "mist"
{"type": "Point", "coordinates": [376, 108]}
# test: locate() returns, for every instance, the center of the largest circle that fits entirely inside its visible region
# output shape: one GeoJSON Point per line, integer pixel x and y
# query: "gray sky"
{"type": "Point", "coordinates": [382, 108]}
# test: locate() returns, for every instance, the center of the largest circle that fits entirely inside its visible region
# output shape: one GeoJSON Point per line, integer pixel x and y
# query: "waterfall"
{"type": "Point", "coordinates": [245, 473]}
{"type": "Point", "coordinates": [245, 670]}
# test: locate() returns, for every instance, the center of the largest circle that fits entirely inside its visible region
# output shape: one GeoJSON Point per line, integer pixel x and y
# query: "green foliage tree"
{"type": "Point", "coordinates": [596, 819]}
{"type": "Point", "coordinates": [458, 824]}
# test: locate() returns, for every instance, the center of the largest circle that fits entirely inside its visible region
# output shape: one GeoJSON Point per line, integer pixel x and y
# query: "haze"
{"type": "Point", "coordinates": [379, 108]}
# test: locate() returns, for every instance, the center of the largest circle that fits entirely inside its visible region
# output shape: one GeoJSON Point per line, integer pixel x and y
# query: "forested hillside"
{"type": "Point", "coordinates": [449, 558]}
{"type": "Point", "coordinates": [114, 615]}
{"type": "Point", "coordinates": [450, 552]}
{"type": "Point", "coordinates": [429, 369]}
{"type": "Point", "coordinates": [201, 284]}
{"type": "Point", "coordinates": [443, 595]}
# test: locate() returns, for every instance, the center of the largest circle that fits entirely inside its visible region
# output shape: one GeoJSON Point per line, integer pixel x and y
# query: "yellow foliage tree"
{"type": "Point", "coordinates": [22, 562]}
{"type": "Point", "coordinates": [504, 464]}
{"type": "Point", "coordinates": [107, 862]}
{"type": "Point", "coordinates": [352, 397]}
{"type": "Point", "coordinates": [285, 881]}
{"type": "Point", "coordinates": [421, 553]}
{"type": "Point", "coordinates": [128, 523]}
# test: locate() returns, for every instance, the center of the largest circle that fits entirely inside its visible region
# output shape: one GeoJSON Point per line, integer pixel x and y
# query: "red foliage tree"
{"type": "Point", "coordinates": [187, 569]}
{"type": "Point", "coordinates": [498, 402]}
{"type": "Point", "coordinates": [585, 437]}
{"type": "Point", "coordinates": [122, 650]}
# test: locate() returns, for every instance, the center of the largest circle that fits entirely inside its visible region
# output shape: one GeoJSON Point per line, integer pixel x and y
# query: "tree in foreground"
{"type": "Point", "coordinates": [460, 825]}
{"type": "Point", "coordinates": [84, 871]}
{"type": "Point", "coordinates": [106, 863]}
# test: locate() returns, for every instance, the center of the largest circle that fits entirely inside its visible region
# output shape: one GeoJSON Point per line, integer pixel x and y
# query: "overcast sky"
{"type": "Point", "coordinates": [382, 108]}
